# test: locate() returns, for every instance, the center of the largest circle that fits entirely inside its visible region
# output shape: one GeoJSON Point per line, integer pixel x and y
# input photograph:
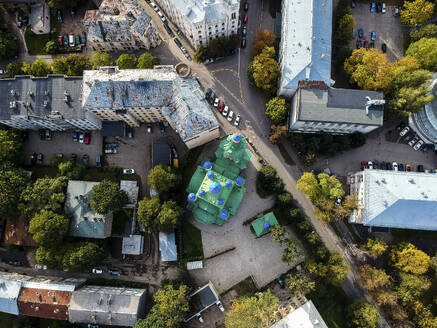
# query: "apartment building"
{"type": "Point", "coordinates": [202, 20]}
{"type": "Point", "coordinates": [120, 25]}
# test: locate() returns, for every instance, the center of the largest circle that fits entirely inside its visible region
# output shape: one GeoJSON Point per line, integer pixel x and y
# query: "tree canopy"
{"type": "Point", "coordinates": [162, 178]}
{"type": "Point", "coordinates": [99, 59]}
{"type": "Point", "coordinates": [299, 283]}
{"type": "Point", "coordinates": [148, 210]}
{"type": "Point", "coordinates": [425, 51]}
{"type": "Point", "coordinates": [428, 31]}
{"type": "Point", "coordinates": [14, 68]}
{"type": "Point", "coordinates": [268, 182]}
{"type": "Point", "coordinates": [51, 47]}
{"type": "Point", "coordinates": [361, 314]}
{"type": "Point", "coordinates": [252, 312]}
{"type": "Point", "coordinates": [264, 71]}
{"type": "Point", "coordinates": [147, 60]}
{"type": "Point", "coordinates": [12, 183]}
{"type": "Point", "coordinates": [8, 46]}
{"type": "Point", "coordinates": [406, 257]}
{"type": "Point", "coordinates": [81, 256]}
{"type": "Point", "coordinates": [171, 305]}
{"type": "Point", "coordinates": [264, 38]}
{"type": "Point", "coordinates": [11, 146]}
{"type": "Point", "coordinates": [369, 69]}
{"type": "Point", "coordinates": [39, 68]}
{"type": "Point", "coordinates": [416, 12]}
{"type": "Point", "coordinates": [373, 278]}
{"type": "Point", "coordinates": [345, 28]}
{"type": "Point", "coordinates": [169, 215]}
{"type": "Point", "coordinates": [127, 61]}
{"type": "Point", "coordinates": [277, 109]}
{"type": "Point", "coordinates": [48, 228]}
{"type": "Point", "coordinates": [107, 196]}
{"type": "Point", "coordinates": [375, 247]}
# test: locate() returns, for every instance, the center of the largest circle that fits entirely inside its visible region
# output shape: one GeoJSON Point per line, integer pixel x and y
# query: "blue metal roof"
{"type": "Point", "coordinates": [167, 246]}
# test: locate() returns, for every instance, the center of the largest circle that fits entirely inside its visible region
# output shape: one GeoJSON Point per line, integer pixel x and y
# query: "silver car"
{"type": "Point", "coordinates": [231, 116]}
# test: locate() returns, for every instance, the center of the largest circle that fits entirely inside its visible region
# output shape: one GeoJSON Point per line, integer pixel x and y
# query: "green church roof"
{"type": "Point", "coordinates": [233, 151]}
{"type": "Point", "coordinates": [258, 224]}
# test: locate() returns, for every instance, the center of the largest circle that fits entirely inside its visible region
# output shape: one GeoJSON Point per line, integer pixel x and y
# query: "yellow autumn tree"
{"type": "Point", "coordinates": [406, 257]}
{"type": "Point", "coordinates": [416, 12]}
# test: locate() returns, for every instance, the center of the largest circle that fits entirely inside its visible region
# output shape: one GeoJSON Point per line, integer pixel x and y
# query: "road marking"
{"type": "Point", "coordinates": [239, 99]}
{"type": "Point", "coordinates": [239, 62]}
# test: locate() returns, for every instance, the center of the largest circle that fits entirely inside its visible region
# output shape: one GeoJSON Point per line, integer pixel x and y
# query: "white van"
{"type": "Point", "coordinates": [71, 40]}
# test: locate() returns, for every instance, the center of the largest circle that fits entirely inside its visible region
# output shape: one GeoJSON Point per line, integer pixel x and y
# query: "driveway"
{"type": "Point", "coordinates": [62, 142]}
{"type": "Point", "coordinates": [388, 28]}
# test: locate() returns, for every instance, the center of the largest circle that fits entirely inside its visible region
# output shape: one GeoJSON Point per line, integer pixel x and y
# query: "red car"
{"type": "Point", "coordinates": [220, 106]}
{"type": "Point", "coordinates": [87, 139]}
{"type": "Point", "coordinates": [245, 19]}
{"type": "Point", "coordinates": [60, 42]}
{"type": "Point", "coordinates": [366, 44]}
{"type": "Point", "coordinates": [363, 165]}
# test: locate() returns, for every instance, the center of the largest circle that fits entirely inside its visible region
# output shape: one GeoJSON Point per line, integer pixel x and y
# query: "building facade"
{"type": "Point", "coordinates": [318, 109]}
{"type": "Point", "coordinates": [203, 20]}
{"type": "Point", "coordinates": [120, 25]}
{"type": "Point", "coordinates": [305, 46]}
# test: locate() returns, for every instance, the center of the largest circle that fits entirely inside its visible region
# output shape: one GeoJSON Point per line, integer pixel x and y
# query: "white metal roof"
{"type": "Point", "coordinates": [305, 316]}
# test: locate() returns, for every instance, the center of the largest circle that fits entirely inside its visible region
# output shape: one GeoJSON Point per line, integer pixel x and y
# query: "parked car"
{"type": "Point", "coordinates": [216, 102]}
{"type": "Point", "coordinates": [161, 127]}
{"type": "Point", "coordinates": [372, 7]}
{"type": "Point", "coordinates": [83, 38]}
{"type": "Point", "coordinates": [161, 15]}
{"type": "Point", "coordinates": [370, 165]}
{"type": "Point", "coordinates": [384, 8]}
{"type": "Point", "coordinates": [178, 43]}
{"type": "Point", "coordinates": [15, 263]}
{"type": "Point", "coordinates": [208, 94]}
{"type": "Point", "coordinates": [98, 161]}
{"type": "Point", "coordinates": [39, 158]}
{"type": "Point", "coordinates": [384, 48]}
{"type": "Point", "coordinates": [97, 271]}
{"type": "Point", "coordinates": [420, 168]}
{"type": "Point", "coordinates": [401, 167]}
{"type": "Point", "coordinates": [60, 41]}
{"type": "Point", "coordinates": [373, 36]}
{"type": "Point", "coordinates": [244, 30]}
{"type": "Point", "coordinates": [400, 126]}
{"type": "Point", "coordinates": [40, 267]}
{"type": "Point", "coordinates": [404, 131]}
{"type": "Point", "coordinates": [237, 120]}
{"type": "Point", "coordinates": [418, 145]}
{"type": "Point", "coordinates": [154, 6]}
{"type": "Point", "coordinates": [220, 106]}
{"type": "Point", "coordinates": [281, 282]}
{"type": "Point", "coordinates": [87, 139]}
{"type": "Point", "coordinates": [200, 318]}
{"type": "Point", "coordinates": [128, 171]}
{"type": "Point", "coordinates": [360, 33]}
{"type": "Point", "coordinates": [48, 135]}
{"type": "Point", "coordinates": [130, 132]}
{"type": "Point", "coordinates": [243, 42]}
{"type": "Point", "coordinates": [379, 7]}
{"type": "Point", "coordinates": [366, 44]}
{"type": "Point", "coordinates": [149, 128]}
{"type": "Point", "coordinates": [73, 156]}
{"type": "Point", "coordinates": [413, 141]}
{"type": "Point", "coordinates": [396, 11]}
{"type": "Point", "coordinates": [408, 167]}
{"type": "Point", "coordinates": [375, 164]}
{"type": "Point", "coordinates": [395, 166]}
{"type": "Point", "coordinates": [220, 306]}
{"type": "Point", "coordinates": [363, 165]}
{"type": "Point", "coordinates": [85, 159]}
{"type": "Point", "coordinates": [338, 201]}
{"type": "Point", "coordinates": [77, 38]}
{"type": "Point", "coordinates": [60, 16]}
{"type": "Point", "coordinates": [65, 41]}
{"type": "Point", "coordinates": [33, 158]}
{"type": "Point", "coordinates": [212, 98]}
{"type": "Point", "coordinates": [230, 116]}
{"type": "Point", "coordinates": [174, 153]}
{"type": "Point", "coordinates": [111, 151]}
{"type": "Point", "coordinates": [383, 166]}
{"type": "Point", "coordinates": [81, 137]}
{"type": "Point", "coordinates": [73, 12]}
{"type": "Point", "coordinates": [246, 6]}
{"type": "Point", "coordinates": [389, 166]}
{"type": "Point", "coordinates": [245, 18]}
{"type": "Point", "coordinates": [71, 40]}
{"type": "Point", "coordinates": [75, 136]}
{"type": "Point", "coordinates": [225, 111]}
{"type": "Point", "coordinates": [114, 272]}
{"type": "Point", "coordinates": [353, 4]}
{"type": "Point", "coordinates": [168, 29]}
{"type": "Point", "coordinates": [359, 44]}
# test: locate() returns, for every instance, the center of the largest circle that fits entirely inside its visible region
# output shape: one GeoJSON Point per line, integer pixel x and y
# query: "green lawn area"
{"type": "Point", "coordinates": [331, 302]}
{"type": "Point", "coordinates": [244, 287]}
{"type": "Point", "coordinates": [36, 42]}
{"type": "Point", "coordinates": [112, 173]}
{"type": "Point", "coordinates": [285, 155]}
{"type": "Point", "coordinates": [191, 242]}
{"type": "Point", "coordinates": [120, 217]}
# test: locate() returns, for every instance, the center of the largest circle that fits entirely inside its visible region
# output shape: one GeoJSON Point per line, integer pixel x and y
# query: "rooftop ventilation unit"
{"type": "Point", "coordinates": [370, 102]}
{"type": "Point", "coordinates": [411, 181]}
{"type": "Point", "coordinates": [46, 93]}
{"type": "Point", "coordinates": [45, 103]}
{"type": "Point", "coordinates": [13, 104]}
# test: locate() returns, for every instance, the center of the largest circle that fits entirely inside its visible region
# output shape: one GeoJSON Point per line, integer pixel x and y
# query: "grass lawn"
{"type": "Point", "coordinates": [36, 42]}
{"type": "Point", "coordinates": [244, 287]}
{"type": "Point", "coordinates": [192, 247]}
{"type": "Point", "coordinates": [285, 155]}
{"type": "Point", "coordinates": [120, 217]}
{"type": "Point", "coordinates": [112, 173]}
{"type": "Point", "coordinates": [331, 302]}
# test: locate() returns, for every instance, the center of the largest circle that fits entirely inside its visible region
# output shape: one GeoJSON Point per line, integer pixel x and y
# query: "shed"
{"type": "Point", "coordinates": [133, 245]}
{"type": "Point", "coordinates": [167, 246]}
{"type": "Point", "coordinates": [263, 223]}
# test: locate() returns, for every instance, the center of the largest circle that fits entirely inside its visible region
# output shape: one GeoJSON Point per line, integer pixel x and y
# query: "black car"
{"type": "Point", "coordinates": [246, 6]}
{"type": "Point", "coordinates": [359, 44]}
{"type": "Point", "coordinates": [178, 43]}
{"type": "Point", "coordinates": [389, 166]}
{"type": "Point", "coordinates": [42, 134]}
{"type": "Point", "coordinates": [208, 94]}
{"type": "Point", "coordinates": [281, 282]}
{"type": "Point", "coordinates": [39, 158]}
{"type": "Point", "coordinates": [384, 48]}
{"type": "Point", "coordinates": [168, 29]}
{"type": "Point", "coordinates": [60, 16]}
{"type": "Point", "coordinates": [401, 167]}
{"type": "Point", "coordinates": [400, 127]}
{"type": "Point", "coordinates": [15, 263]}
{"type": "Point", "coordinates": [383, 166]}
{"type": "Point", "coordinates": [73, 156]}
{"type": "Point", "coordinates": [375, 164]}
{"type": "Point", "coordinates": [161, 127]}
{"type": "Point", "coordinates": [212, 98]}
{"type": "Point", "coordinates": [360, 33]}
{"type": "Point", "coordinates": [353, 4]}
{"type": "Point", "coordinates": [243, 42]}
{"type": "Point", "coordinates": [379, 7]}
{"type": "Point", "coordinates": [33, 158]}
{"type": "Point", "coordinates": [174, 153]}
{"type": "Point", "coordinates": [372, 44]}
{"type": "Point", "coordinates": [85, 159]}
{"type": "Point", "coordinates": [420, 168]}
{"type": "Point", "coordinates": [73, 12]}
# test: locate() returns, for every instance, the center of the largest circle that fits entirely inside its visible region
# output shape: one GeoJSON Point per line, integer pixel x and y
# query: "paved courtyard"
{"type": "Point", "coordinates": [259, 258]}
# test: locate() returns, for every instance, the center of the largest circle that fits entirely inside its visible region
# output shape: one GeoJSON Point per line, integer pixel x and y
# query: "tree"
{"type": "Point", "coordinates": [264, 71]}
{"type": "Point", "coordinates": [264, 38]}
{"type": "Point", "coordinates": [434, 264]}
{"type": "Point", "coordinates": [12, 183]}
{"type": "Point", "coordinates": [276, 109]}
{"type": "Point", "coordinates": [201, 54]}
{"type": "Point", "coordinates": [171, 304]}
{"type": "Point", "coordinates": [291, 251]}
{"type": "Point", "coordinates": [337, 270]}
{"type": "Point", "coordinates": [99, 59]}
{"type": "Point", "coordinates": [152, 320]}
{"type": "Point", "coordinates": [252, 312]}
{"type": "Point", "coordinates": [107, 196]}
{"type": "Point", "coordinates": [411, 287]}
{"type": "Point", "coordinates": [284, 201]}
{"type": "Point", "coordinates": [162, 178]}
{"type": "Point", "coordinates": [77, 64]}
{"type": "Point", "coordinates": [361, 314]}
{"type": "Point", "coordinates": [39, 68]}
{"type": "Point", "coordinates": [52, 257]}
{"type": "Point", "coordinates": [277, 233]}
{"type": "Point", "coordinates": [48, 228]}
{"type": "Point", "coordinates": [11, 146]}
{"type": "Point", "coordinates": [299, 283]}
{"type": "Point", "coordinates": [63, 3]}
{"type": "Point", "coordinates": [148, 210]}
{"type": "Point", "coordinates": [60, 65]}
{"type": "Point", "coordinates": [127, 61]}
{"type": "Point", "coordinates": [14, 68]}
{"type": "Point", "coordinates": [147, 60]}
{"type": "Point", "coordinates": [416, 12]}
{"type": "Point", "coordinates": [169, 215]}
{"type": "Point", "coordinates": [330, 186]}
{"type": "Point", "coordinates": [425, 51]}
{"type": "Point", "coordinates": [373, 278]}
{"type": "Point", "coordinates": [369, 69]}
{"type": "Point", "coordinates": [345, 28]}
{"type": "Point", "coordinates": [267, 181]}
{"type": "Point", "coordinates": [276, 132]}
{"type": "Point", "coordinates": [8, 46]}
{"type": "Point", "coordinates": [81, 256]}
{"type": "Point", "coordinates": [428, 31]}
{"type": "Point", "coordinates": [51, 47]}
{"type": "Point", "coordinates": [406, 257]}
{"type": "Point", "coordinates": [43, 194]}
{"type": "Point", "coordinates": [65, 167]}
{"type": "Point", "coordinates": [309, 185]}
{"type": "Point", "coordinates": [375, 247]}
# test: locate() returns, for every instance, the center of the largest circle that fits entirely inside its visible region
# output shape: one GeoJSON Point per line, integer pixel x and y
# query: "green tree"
{"type": "Point", "coordinates": [14, 68]}
{"type": "Point", "coordinates": [8, 46]}
{"type": "Point", "coordinates": [406, 257]}
{"type": "Point", "coordinates": [11, 146]}
{"type": "Point", "coordinates": [330, 186]}
{"type": "Point", "coordinates": [162, 178]}
{"type": "Point", "coordinates": [267, 181]}
{"type": "Point", "coordinates": [39, 68]}
{"type": "Point", "coordinates": [99, 59]}
{"type": "Point", "coordinates": [416, 12]}
{"type": "Point", "coordinates": [299, 283]}
{"type": "Point", "coordinates": [48, 228]}
{"type": "Point", "coordinates": [276, 132]}
{"type": "Point", "coordinates": [51, 47]}
{"type": "Point", "coordinates": [361, 314]}
{"type": "Point", "coordinates": [171, 305]}
{"type": "Point", "coordinates": [153, 320]}
{"type": "Point", "coordinates": [81, 256]}
{"type": "Point", "coordinates": [59, 65]}
{"type": "Point", "coordinates": [201, 54]}
{"type": "Point", "coordinates": [309, 185]}
{"type": "Point", "coordinates": [428, 31]}
{"type": "Point", "coordinates": [63, 3]}
{"type": "Point", "coordinates": [264, 38]}
{"type": "Point", "coordinates": [65, 167]}
{"type": "Point", "coordinates": [147, 60]}
{"type": "Point", "coordinates": [77, 64]}
{"type": "Point", "coordinates": [169, 215]}
{"type": "Point", "coordinates": [252, 312]}
{"type": "Point", "coordinates": [337, 269]}
{"type": "Point", "coordinates": [127, 61]}
{"type": "Point", "coordinates": [277, 233]}
{"type": "Point", "coordinates": [284, 201]}
{"type": "Point", "coordinates": [373, 278]}
{"type": "Point", "coordinates": [264, 71]}
{"type": "Point", "coordinates": [12, 183]}
{"type": "Point", "coordinates": [277, 109]}
{"type": "Point", "coordinates": [425, 51]}
{"type": "Point", "coordinates": [369, 69]}
{"type": "Point", "coordinates": [43, 194]}
{"type": "Point", "coordinates": [411, 287]}
{"type": "Point", "coordinates": [291, 251]}
{"type": "Point", "coordinates": [148, 210]}
{"type": "Point", "coordinates": [345, 28]}
{"type": "Point", "coordinates": [50, 256]}
{"type": "Point", "coordinates": [375, 247]}
{"type": "Point", "coordinates": [107, 196]}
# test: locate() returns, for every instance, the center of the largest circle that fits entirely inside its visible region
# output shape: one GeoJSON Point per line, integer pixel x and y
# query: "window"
{"type": "Point", "coordinates": [216, 26]}
{"type": "Point", "coordinates": [223, 24]}
{"type": "Point", "coordinates": [200, 32]}
{"type": "Point", "coordinates": [223, 28]}
{"type": "Point", "coordinates": [234, 16]}
{"type": "Point", "coordinates": [209, 27]}
{"type": "Point", "coordinates": [210, 33]}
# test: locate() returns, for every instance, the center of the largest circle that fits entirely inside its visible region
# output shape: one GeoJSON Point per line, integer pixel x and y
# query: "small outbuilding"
{"type": "Point", "coordinates": [263, 224]}
{"type": "Point", "coordinates": [167, 246]}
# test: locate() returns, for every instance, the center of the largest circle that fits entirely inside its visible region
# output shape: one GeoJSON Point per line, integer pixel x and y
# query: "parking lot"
{"type": "Point", "coordinates": [388, 28]}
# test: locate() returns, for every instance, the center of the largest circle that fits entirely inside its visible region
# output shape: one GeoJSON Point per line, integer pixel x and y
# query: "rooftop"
{"type": "Point", "coordinates": [340, 105]}
{"type": "Point", "coordinates": [160, 153]}
{"type": "Point", "coordinates": [167, 246]}
{"type": "Point", "coordinates": [263, 223]}
{"type": "Point", "coordinates": [130, 187]}
{"type": "Point", "coordinates": [306, 42]}
{"type": "Point", "coordinates": [406, 200]}
{"type": "Point", "coordinates": [85, 222]}
{"type": "Point", "coordinates": [202, 299]}
{"type": "Point", "coordinates": [305, 316]}
{"type": "Point", "coordinates": [198, 10]}
{"type": "Point", "coordinates": [39, 18]}
{"type": "Point", "coordinates": [17, 233]}
{"type": "Point", "coordinates": [133, 245]}
{"type": "Point", "coordinates": [9, 291]}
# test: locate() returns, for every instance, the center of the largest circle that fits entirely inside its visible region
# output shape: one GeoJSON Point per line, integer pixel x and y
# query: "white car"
{"type": "Point", "coordinates": [418, 145]}
{"type": "Point", "coordinates": [220, 306]}
{"type": "Point", "coordinates": [81, 137]}
{"type": "Point", "coordinates": [40, 267]}
{"type": "Point", "coordinates": [395, 166]}
{"type": "Point", "coordinates": [161, 16]}
{"type": "Point", "coordinates": [338, 201]}
{"type": "Point", "coordinates": [230, 116]}
{"type": "Point", "coordinates": [404, 131]}
{"type": "Point", "coordinates": [384, 8]}
{"type": "Point", "coordinates": [200, 318]}
{"type": "Point", "coordinates": [154, 6]}
{"type": "Point", "coordinates": [225, 111]}
{"type": "Point", "coordinates": [413, 141]}
{"type": "Point", "coordinates": [370, 165]}
{"type": "Point", "coordinates": [97, 271]}
{"type": "Point", "coordinates": [216, 102]}
{"type": "Point", "coordinates": [128, 171]}
{"type": "Point", "coordinates": [237, 120]}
